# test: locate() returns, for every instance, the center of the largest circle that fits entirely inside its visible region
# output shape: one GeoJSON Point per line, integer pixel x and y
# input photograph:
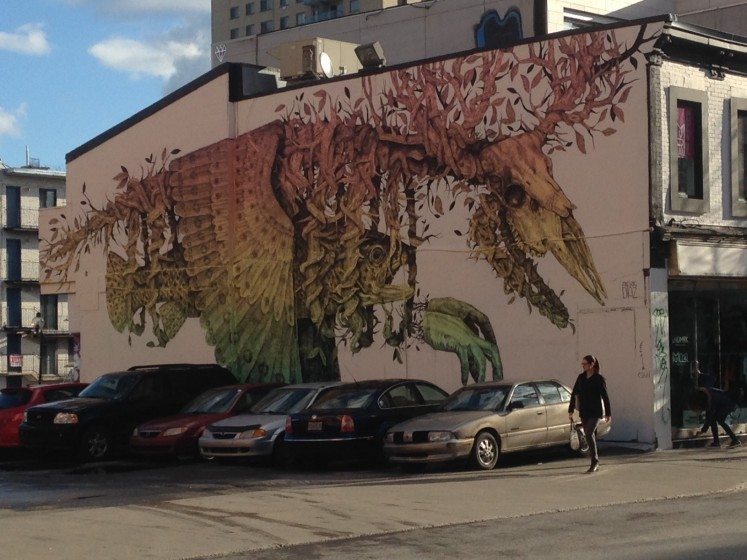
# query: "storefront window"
{"type": "Point", "coordinates": [707, 324]}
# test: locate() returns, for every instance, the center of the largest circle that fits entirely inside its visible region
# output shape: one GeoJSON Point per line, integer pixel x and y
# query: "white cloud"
{"type": "Point", "coordinates": [141, 7]}
{"type": "Point", "coordinates": [139, 58]}
{"type": "Point", "coordinates": [27, 39]}
{"type": "Point", "coordinates": [9, 121]}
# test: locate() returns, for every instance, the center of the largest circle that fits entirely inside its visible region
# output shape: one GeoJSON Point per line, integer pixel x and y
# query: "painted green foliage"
{"type": "Point", "coordinates": [303, 234]}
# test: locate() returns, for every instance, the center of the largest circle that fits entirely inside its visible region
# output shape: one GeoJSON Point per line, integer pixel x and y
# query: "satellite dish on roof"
{"type": "Point", "coordinates": [325, 62]}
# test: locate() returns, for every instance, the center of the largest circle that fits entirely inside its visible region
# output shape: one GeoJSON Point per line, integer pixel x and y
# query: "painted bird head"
{"type": "Point", "coordinates": [536, 211]}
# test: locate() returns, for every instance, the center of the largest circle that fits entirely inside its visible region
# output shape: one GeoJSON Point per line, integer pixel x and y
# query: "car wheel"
{"type": "Point", "coordinates": [95, 444]}
{"type": "Point", "coordinates": [485, 451]}
{"type": "Point", "coordinates": [281, 455]}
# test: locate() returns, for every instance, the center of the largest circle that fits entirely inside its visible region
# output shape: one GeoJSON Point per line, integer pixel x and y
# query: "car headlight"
{"type": "Point", "coordinates": [174, 432]}
{"type": "Point", "coordinates": [65, 418]}
{"type": "Point", "coordinates": [440, 436]}
{"type": "Point", "coordinates": [206, 433]}
{"type": "Point", "coordinates": [252, 434]}
{"type": "Point", "coordinates": [390, 437]}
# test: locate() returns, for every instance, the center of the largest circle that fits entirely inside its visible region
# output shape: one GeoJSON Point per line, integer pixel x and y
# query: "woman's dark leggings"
{"type": "Point", "coordinates": [590, 429]}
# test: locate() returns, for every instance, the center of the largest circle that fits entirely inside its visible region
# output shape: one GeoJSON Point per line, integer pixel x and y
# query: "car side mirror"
{"type": "Point", "coordinates": [514, 405]}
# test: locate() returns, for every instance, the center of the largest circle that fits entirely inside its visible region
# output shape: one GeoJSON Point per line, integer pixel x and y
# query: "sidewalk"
{"type": "Point", "coordinates": [275, 516]}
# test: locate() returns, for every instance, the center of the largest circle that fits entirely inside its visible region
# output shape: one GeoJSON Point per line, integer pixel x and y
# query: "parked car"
{"type": "Point", "coordinates": [14, 402]}
{"type": "Point", "coordinates": [178, 434]}
{"type": "Point", "coordinates": [262, 432]}
{"type": "Point", "coordinates": [482, 421]}
{"type": "Point", "coordinates": [105, 413]}
{"type": "Point", "coordinates": [350, 421]}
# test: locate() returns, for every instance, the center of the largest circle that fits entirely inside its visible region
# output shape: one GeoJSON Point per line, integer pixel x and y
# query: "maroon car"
{"type": "Point", "coordinates": [15, 400]}
{"type": "Point", "coordinates": [178, 435]}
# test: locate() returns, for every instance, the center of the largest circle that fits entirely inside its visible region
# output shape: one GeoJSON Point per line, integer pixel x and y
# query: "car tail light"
{"type": "Point", "coordinates": [346, 424]}
{"type": "Point", "coordinates": [288, 425]}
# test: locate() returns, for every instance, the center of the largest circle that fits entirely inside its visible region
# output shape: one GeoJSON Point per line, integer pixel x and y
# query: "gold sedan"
{"type": "Point", "coordinates": [482, 421]}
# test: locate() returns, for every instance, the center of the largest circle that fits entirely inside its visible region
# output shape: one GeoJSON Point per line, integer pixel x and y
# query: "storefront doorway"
{"type": "Point", "coordinates": [707, 323]}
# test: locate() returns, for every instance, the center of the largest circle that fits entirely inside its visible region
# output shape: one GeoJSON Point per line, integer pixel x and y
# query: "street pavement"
{"type": "Point", "coordinates": [334, 510]}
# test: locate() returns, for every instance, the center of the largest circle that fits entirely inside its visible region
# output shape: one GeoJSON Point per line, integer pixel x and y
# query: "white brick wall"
{"type": "Point", "coordinates": [719, 93]}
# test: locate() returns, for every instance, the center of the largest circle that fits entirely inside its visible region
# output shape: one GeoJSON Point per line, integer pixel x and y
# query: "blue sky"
{"type": "Point", "coordinates": [72, 69]}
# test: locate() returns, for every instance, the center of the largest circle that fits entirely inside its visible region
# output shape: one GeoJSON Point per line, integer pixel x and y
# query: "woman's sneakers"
{"type": "Point", "coordinates": [735, 443]}
{"type": "Point", "coordinates": [594, 467]}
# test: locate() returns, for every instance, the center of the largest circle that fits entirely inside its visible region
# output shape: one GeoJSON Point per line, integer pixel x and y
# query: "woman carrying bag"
{"type": "Point", "coordinates": [593, 404]}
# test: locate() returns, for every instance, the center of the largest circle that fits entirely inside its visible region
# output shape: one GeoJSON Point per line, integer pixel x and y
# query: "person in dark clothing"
{"type": "Point", "coordinates": [717, 405]}
{"type": "Point", "coordinates": [593, 404]}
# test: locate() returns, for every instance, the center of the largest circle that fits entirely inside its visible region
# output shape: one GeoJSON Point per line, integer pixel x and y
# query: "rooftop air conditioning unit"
{"type": "Point", "coordinates": [317, 57]}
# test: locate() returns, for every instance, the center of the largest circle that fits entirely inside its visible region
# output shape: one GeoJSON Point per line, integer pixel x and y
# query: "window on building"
{"type": "Point", "coordinates": [688, 147]}
{"type": "Point", "coordinates": [266, 26]}
{"type": "Point", "coordinates": [265, 5]}
{"type": "Point", "coordinates": [283, 3]}
{"type": "Point", "coordinates": [47, 198]}
{"type": "Point", "coordinates": [739, 158]}
{"type": "Point", "coordinates": [48, 357]}
{"type": "Point", "coordinates": [250, 29]}
{"type": "Point", "coordinates": [284, 22]}
{"type": "Point", "coordinates": [401, 2]}
{"type": "Point", "coordinates": [249, 8]}
{"type": "Point", "coordinates": [355, 6]}
{"type": "Point", "coordinates": [235, 33]}
{"type": "Point", "coordinates": [49, 311]}
{"type": "Point", "coordinates": [13, 259]}
{"type": "Point", "coordinates": [13, 207]}
{"type": "Point", "coordinates": [234, 12]}
{"type": "Point", "coordinates": [301, 18]}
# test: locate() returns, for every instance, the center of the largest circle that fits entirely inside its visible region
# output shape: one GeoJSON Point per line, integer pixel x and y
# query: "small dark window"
{"type": "Point", "coordinates": [13, 207]}
{"type": "Point", "coordinates": [742, 154]}
{"type": "Point", "coordinates": [300, 18]}
{"type": "Point", "coordinates": [234, 33]}
{"type": "Point", "coordinates": [265, 5]}
{"type": "Point", "coordinates": [250, 8]}
{"type": "Point", "coordinates": [284, 22]}
{"type": "Point", "coordinates": [49, 311]}
{"type": "Point", "coordinates": [355, 6]}
{"type": "Point", "coordinates": [234, 12]}
{"type": "Point", "coordinates": [47, 198]}
{"type": "Point", "coordinates": [739, 158]}
{"type": "Point", "coordinates": [283, 3]}
{"type": "Point", "coordinates": [250, 29]}
{"type": "Point", "coordinates": [266, 26]}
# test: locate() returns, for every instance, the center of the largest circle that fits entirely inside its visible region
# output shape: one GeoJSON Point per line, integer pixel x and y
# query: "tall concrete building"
{"type": "Point", "coordinates": [233, 19]}
{"type": "Point", "coordinates": [35, 342]}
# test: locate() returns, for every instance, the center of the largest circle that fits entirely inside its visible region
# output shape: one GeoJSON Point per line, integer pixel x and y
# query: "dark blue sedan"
{"type": "Point", "coordinates": [350, 421]}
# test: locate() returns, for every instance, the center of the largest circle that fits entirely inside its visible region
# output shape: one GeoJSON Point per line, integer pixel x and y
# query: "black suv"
{"type": "Point", "coordinates": [105, 413]}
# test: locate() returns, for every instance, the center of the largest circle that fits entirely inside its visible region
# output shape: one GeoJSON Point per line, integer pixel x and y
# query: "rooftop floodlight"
{"type": "Point", "coordinates": [371, 55]}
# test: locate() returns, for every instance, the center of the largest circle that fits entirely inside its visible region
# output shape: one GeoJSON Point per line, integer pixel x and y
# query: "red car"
{"type": "Point", "coordinates": [178, 435]}
{"type": "Point", "coordinates": [15, 400]}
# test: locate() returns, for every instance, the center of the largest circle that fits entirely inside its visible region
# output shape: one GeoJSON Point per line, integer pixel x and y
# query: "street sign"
{"type": "Point", "coordinates": [15, 361]}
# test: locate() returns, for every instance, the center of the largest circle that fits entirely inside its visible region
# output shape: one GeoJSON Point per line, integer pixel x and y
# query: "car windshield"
{"type": "Point", "coordinates": [477, 398]}
{"type": "Point", "coordinates": [11, 398]}
{"type": "Point", "coordinates": [215, 401]}
{"type": "Point", "coordinates": [284, 401]}
{"type": "Point", "coordinates": [346, 397]}
{"type": "Point", "coordinates": [111, 386]}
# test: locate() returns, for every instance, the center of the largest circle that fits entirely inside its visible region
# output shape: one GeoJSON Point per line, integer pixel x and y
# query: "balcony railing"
{"type": "Point", "coordinates": [31, 364]}
{"type": "Point", "coordinates": [26, 218]}
{"type": "Point", "coordinates": [324, 16]}
{"type": "Point", "coordinates": [27, 316]}
{"type": "Point", "coordinates": [27, 271]}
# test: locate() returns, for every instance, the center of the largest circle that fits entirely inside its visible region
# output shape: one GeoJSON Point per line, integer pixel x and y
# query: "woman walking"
{"type": "Point", "coordinates": [593, 404]}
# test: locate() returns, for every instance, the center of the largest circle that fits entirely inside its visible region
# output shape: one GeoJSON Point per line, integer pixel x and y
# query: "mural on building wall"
{"type": "Point", "coordinates": [303, 234]}
{"type": "Point", "coordinates": [495, 31]}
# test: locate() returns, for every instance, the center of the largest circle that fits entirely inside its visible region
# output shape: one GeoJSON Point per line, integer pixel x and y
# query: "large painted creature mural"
{"type": "Point", "coordinates": [304, 233]}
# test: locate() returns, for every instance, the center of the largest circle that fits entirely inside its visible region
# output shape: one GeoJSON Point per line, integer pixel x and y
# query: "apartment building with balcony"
{"type": "Point", "coordinates": [234, 19]}
{"type": "Point", "coordinates": [35, 340]}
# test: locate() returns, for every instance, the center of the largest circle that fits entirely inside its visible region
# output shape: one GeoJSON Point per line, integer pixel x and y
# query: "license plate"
{"type": "Point", "coordinates": [315, 426]}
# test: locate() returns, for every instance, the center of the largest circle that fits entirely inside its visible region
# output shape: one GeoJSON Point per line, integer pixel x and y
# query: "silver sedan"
{"type": "Point", "coordinates": [262, 432]}
{"type": "Point", "coordinates": [482, 421]}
